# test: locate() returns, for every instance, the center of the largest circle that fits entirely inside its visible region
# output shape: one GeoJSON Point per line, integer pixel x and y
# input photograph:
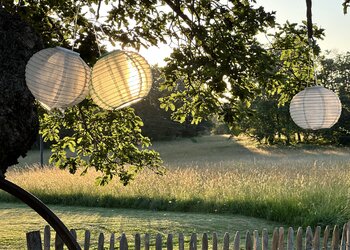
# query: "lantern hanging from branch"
{"type": "Point", "coordinates": [58, 77]}
{"type": "Point", "coordinates": [119, 79]}
{"type": "Point", "coordinates": [315, 108]}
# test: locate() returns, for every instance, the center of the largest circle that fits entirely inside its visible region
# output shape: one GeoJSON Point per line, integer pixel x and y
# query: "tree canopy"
{"type": "Point", "coordinates": [217, 67]}
{"type": "Point", "coordinates": [216, 57]}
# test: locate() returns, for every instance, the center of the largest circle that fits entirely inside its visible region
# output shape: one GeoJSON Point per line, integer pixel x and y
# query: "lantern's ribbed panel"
{"type": "Point", "coordinates": [58, 77]}
{"type": "Point", "coordinates": [315, 108]}
{"type": "Point", "coordinates": [120, 79]}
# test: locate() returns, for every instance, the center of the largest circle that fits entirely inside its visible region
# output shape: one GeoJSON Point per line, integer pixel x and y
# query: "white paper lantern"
{"type": "Point", "coordinates": [315, 108]}
{"type": "Point", "coordinates": [58, 77]}
{"type": "Point", "coordinates": [119, 79]}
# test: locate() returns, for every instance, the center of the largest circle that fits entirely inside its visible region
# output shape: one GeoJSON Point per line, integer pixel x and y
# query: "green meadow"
{"type": "Point", "coordinates": [211, 182]}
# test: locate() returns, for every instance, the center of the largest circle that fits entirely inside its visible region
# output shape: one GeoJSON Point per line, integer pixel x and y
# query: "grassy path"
{"type": "Point", "coordinates": [17, 219]}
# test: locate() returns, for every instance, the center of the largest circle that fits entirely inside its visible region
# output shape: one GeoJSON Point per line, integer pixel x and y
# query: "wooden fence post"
{"type": "Point", "coordinates": [299, 244]}
{"type": "Point", "coordinates": [112, 242]}
{"type": "Point", "coordinates": [47, 237]}
{"type": "Point", "coordinates": [316, 242]}
{"type": "Point", "coordinates": [58, 242]}
{"type": "Point", "coordinates": [275, 239]}
{"type": "Point", "coordinates": [101, 242]}
{"type": "Point", "coordinates": [137, 241]}
{"type": "Point", "coordinates": [205, 242]}
{"type": "Point", "coordinates": [343, 238]}
{"type": "Point", "coordinates": [123, 244]}
{"type": "Point", "coordinates": [236, 241]}
{"type": "Point", "coordinates": [159, 242]}
{"type": "Point", "coordinates": [325, 238]}
{"type": "Point", "coordinates": [248, 241]}
{"type": "Point", "coordinates": [226, 245]}
{"type": "Point", "coordinates": [348, 236]}
{"type": "Point", "coordinates": [34, 241]}
{"type": "Point", "coordinates": [265, 240]}
{"type": "Point", "coordinates": [215, 241]}
{"type": "Point", "coordinates": [73, 233]}
{"type": "Point", "coordinates": [146, 241]}
{"type": "Point", "coordinates": [256, 241]}
{"type": "Point", "coordinates": [308, 239]}
{"type": "Point", "coordinates": [181, 242]}
{"type": "Point", "coordinates": [169, 242]}
{"type": "Point", "coordinates": [87, 240]}
{"type": "Point", "coordinates": [193, 242]}
{"type": "Point", "coordinates": [281, 238]}
{"type": "Point", "coordinates": [290, 239]}
{"type": "Point", "coordinates": [335, 238]}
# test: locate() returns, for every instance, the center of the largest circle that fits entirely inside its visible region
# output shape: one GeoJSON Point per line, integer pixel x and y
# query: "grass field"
{"type": "Point", "coordinates": [20, 219]}
{"type": "Point", "coordinates": [295, 186]}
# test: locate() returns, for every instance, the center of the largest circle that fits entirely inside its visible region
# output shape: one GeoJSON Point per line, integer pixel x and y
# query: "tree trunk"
{"type": "Point", "coordinates": [18, 115]}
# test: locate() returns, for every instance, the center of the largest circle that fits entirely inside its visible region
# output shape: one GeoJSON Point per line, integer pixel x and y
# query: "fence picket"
{"type": "Point", "coordinates": [308, 239]}
{"type": "Point", "coordinates": [137, 241]}
{"type": "Point", "coordinates": [236, 241]}
{"type": "Point", "coordinates": [316, 242]}
{"type": "Point", "coordinates": [290, 239]}
{"type": "Point", "coordinates": [252, 241]}
{"type": "Point", "coordinates": [101, 242]}
{"type": "Point", "coordinates": [169, 242]}
{"type": "Point", "coordinates": [181, 242]}
{"type": "Point", "coordinates": [159, 242]}
{"type": "Point", "coordinates": [343, 238]}
{"type": "Point", "coordinates": [248, 241]}
{"type": "Point", "coordinates": [275, 239]}
{"type": "Point", "coordinates": [215, 241]}
{"type": "Point", "coordinates": [112, 242]}
{"type": "Point", "coordinates": [58, 242]}
{"type": "Point", "coordinates": [335, 238]}
{"type": "Point", "coordinates": [281, 238]}
{"type": "Point", "coordinates": [325, 238]}
{"type": "Point", "coordinates": [299, 243]}
{"type": "Point", "coordinates": [47, 237]}
{"type": "Point", "coordinates": [265, 240]}
{"type": "Point", "coordinates": [205, 242]}
{"type": "Point", "coordinates": [348, 236]}
{"type": "Point", "coordinates": [256, 241]}
{"type": "Point", "coordinates": [87, 240]}
{"type": "Point", "coordinates": [146, 241]}
{"type": "Point", "coordinates": [123, 243]}
{"type": "Point", "coordinates": [73, 233]}
{"type": "Point", "coordinates": [34, 241]}
{"type": "Point", "coordinates": [193, 242]}
{"type": "Point", "coordinates": [226, 241]}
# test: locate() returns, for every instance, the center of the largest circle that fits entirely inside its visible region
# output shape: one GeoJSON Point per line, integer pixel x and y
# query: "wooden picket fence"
{"type": "Point", "coordinates": [331, 239]}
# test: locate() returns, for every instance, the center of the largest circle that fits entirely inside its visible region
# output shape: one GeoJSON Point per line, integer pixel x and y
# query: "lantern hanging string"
{"type": "Point", "coordinates": [75, 28]}
{"type": "Point", "coordinates": [311, 40]}
{"type": "Point", "coordinates": [97, 16]}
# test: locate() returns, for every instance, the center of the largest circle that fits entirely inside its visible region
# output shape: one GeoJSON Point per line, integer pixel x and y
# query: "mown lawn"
{"type": "Point", "coordinates": [17, 219]}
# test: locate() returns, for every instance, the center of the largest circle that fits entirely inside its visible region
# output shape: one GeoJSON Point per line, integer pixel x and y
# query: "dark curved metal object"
{"type": "Point", "coordinates": [309, 19]}
{"type": "Point", "coordinates": [42, 210]}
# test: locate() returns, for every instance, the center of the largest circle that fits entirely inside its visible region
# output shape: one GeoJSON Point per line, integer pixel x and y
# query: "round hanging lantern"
{"type": "Point", "coordinates": [315, 108]}
{"type": "Point", "coordinates": [119, 79]}
{"type": "Point", "coordinates": [58, 77]}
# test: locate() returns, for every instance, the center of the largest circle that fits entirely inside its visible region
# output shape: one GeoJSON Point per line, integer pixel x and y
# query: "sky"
{"type": "Point", "coordinates": [327, 14]}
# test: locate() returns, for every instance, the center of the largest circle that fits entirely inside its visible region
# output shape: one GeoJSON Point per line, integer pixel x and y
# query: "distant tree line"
{"type": "Point", "coordinates": [158, 123]}
{"type": "Point", "coordinates": [271, 123]}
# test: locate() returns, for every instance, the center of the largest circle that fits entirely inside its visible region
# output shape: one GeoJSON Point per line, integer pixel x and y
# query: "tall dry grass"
{"type": "Point", "coordinates": [291, 192]}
